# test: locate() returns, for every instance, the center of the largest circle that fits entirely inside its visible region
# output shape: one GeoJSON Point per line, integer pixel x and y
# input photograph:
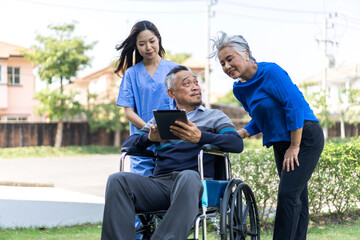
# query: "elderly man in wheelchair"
{"type": "Point", "coordinates": [176, 185]}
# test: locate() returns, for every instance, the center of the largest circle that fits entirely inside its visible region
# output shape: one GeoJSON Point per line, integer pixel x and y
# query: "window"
{"type": "Point", "coordinates": [17, 119]}
{"type": "Point", "coordinates": [13, 75]}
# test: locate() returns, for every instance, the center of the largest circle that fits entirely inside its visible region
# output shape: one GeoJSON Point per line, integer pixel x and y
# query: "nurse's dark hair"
{"type": "Point", "coordinates": [128, 46]}
{"type": "Point", "coordinates": [170, 77]}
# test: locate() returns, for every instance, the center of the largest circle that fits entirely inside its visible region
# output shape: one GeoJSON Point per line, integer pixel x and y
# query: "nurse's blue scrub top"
{"type": "Point", "coordinates": [144, 93]}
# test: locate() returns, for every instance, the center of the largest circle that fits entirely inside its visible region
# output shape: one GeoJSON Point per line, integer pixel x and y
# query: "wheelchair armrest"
{"type": "Point", "coordinates": [212, 149]}
{"type": "Point", "coordinates": [137, 152]}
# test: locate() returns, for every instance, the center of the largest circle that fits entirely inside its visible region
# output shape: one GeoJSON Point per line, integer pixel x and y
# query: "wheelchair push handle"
{"type": "Point", "coordinates": [137, 152]}
{"type": "Point", "coordinates": [132, 151]}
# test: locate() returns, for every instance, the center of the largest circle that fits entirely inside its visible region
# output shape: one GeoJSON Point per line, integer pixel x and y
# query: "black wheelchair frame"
{"type": "Point", "coordinates": [237, 211]}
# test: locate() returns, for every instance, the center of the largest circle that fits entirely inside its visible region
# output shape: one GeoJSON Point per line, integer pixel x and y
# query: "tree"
{"type": "Point", "coordinates": [55, 105]}
{"type": "Point", "coordinates": [178, 58]}
{"type": "Point", "coordinates": [317, 99]}
{"type": "Point", "coordinates": [59, 57]}
{"type": "Point", "coordinates": [103, 112]}
{"type": "Point", "coordinates": [349, 111]}
{"type": "Point", "coordinates": [229, 99]}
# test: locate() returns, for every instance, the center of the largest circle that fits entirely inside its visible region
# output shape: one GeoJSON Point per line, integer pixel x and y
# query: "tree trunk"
{"type": "Point", "coordinates": [60, 125]}
{"type": "Point", "coordinates": [59, 133]}
{"type": "Point", "coordinates": [342, 125]}
{"type": "Point", "coordinates": [117, 137]}
{"type": "Point", "coordinates": [325, 130]}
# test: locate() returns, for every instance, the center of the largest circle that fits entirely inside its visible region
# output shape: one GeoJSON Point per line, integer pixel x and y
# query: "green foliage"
{"type": "Point", "coordinates": [319, 101]}
{"type": "Point", "coordinates": [253, 143]}
{"type": "Point", "coordinates": [336, 179]}
{"type": "Point", "coordinates": [59, 56]}
{"type": "Point", "coordinates": [56, 105]}
{"type": "Point", "coordinates": [333, 187]}
{"type": "Point", "coordinates": [103, 112]}
{"type": "Point", "coordinates": [352, 111]}
{"type": "Point", "coordinates": [178, 58]}
{"type": "Point", "coordinates": [229, 99]}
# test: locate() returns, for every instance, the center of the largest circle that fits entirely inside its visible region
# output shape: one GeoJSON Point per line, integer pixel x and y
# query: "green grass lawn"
{"type": "Point", "coordinates": [48, 151]}
{"type": "Point", "coordinates": [82, 232]}
{"type": "Point", "coordinates": [347, 231]}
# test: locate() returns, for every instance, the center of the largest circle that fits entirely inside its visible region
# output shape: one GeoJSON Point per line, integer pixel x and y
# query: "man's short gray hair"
{"type": "Point", "coordinates": [170, 77]}
{"type": "Point", "coordinates": [237, 42]}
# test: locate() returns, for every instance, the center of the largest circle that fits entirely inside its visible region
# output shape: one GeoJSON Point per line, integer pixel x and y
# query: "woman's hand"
{"type": "Point", "coordinates": [291, 156]}
{"type": "Point", "coordinates": [243, 133]}
{"type": "Point", "coordinates": [188, 132]}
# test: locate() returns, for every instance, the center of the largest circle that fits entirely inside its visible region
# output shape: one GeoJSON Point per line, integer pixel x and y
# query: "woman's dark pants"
{"type": "Point", "coordinates": [292, 212]}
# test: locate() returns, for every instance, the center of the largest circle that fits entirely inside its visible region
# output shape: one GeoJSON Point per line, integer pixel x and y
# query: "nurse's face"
{"type": "Point", "coordinates": [232, 63]}
{"type": "Point", "coordinates": [147, 44]}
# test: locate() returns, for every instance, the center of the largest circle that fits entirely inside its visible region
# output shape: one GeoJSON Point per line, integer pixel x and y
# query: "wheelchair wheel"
{"type": "Point", "coordinates": [238, 213]}
{"type": "Point", "coordinates": [148, 226]}
{"type": "Point", "coordinates": [149, 223]}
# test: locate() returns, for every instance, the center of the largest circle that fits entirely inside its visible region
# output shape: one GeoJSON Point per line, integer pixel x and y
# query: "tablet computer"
{"type": "Point", "coordinates": [165, 118]}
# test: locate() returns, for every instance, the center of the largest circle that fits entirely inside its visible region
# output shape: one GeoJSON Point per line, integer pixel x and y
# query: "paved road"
{"type": "Point", "coordinates": [86, 174]}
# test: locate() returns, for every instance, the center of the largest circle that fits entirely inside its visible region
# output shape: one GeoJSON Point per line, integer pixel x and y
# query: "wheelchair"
{"type": "Point", "coordinates": [228, 201]}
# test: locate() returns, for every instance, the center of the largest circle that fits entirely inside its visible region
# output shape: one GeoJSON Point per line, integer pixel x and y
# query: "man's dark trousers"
{"type": "Point", "coordinates": [127, 193]}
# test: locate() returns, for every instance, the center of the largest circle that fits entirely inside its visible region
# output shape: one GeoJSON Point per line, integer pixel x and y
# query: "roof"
{"type": "Point", "coordinates": [96, 74]}
{"type": "Point", "coordinates": [337, 75]}
{"type": "Point", "coordinates": [10, 50]}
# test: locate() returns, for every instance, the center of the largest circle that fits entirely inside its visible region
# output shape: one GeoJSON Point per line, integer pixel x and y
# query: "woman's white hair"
{"type": "Point", "coordinates": [237, 42]}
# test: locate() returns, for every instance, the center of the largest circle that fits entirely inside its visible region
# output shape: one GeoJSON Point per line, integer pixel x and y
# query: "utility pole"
{"type": "Point", "coordinates": [328, 61]}
{"type": "Point", "coordinates": [209, 14]}
{"type": "Point", "coordinates": [324, 77]}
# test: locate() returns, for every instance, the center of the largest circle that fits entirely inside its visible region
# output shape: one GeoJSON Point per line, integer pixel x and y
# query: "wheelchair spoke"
{"type": "Point", "coordinates": [245, 212]}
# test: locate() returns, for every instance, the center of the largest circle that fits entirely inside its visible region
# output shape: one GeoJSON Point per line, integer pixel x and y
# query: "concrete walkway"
{"type": "Point", "coordinates": [54, 191]}
{"type": "Point", "coordinates": [86, 174]}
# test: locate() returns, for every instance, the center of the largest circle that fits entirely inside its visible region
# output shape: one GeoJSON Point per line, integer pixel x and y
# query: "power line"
{"type": "Point", "coordinates": [111, 10]}
{"type": "Point", "coordinates": [273, 9]}
{"type": "Point", "coordinates": [357, 20]}
{"type": "Point", "coordinates": [267, 19]}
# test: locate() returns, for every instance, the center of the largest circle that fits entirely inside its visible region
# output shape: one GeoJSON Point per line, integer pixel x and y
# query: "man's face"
{"type": "Point", "coordinates": [187, 91]}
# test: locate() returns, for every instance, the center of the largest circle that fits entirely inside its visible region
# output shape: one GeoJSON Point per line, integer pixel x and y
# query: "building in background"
{"type": "Point", "coordinates": [338, 81]}
{"type": "Point", "coordinates": [17, 86]}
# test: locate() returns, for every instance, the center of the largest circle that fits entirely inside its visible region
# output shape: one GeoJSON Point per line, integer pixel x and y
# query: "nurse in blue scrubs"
{"type": "Point", "coordinates": [280, 112]}
{"type": "Point", "coordinates": [143, 85]}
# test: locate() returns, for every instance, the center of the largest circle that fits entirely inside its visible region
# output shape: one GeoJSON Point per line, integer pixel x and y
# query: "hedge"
{"type": "Point", "coordinates": [333, 187]}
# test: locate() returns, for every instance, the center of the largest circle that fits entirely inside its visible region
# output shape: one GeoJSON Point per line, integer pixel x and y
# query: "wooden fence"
{"type": "Point", "coordinates": [39, 134]}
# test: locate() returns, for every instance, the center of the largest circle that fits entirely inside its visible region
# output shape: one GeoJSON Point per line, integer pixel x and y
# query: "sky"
{"type": "Point", "coordinates": [287, 32]}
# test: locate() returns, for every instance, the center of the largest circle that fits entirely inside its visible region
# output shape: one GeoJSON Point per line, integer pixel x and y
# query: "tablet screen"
{"type": "Point", "coordinates": [165, 118]}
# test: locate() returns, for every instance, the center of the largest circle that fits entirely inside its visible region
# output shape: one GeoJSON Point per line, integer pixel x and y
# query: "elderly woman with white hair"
{"type": "Point", "coordinates": [280, 112]}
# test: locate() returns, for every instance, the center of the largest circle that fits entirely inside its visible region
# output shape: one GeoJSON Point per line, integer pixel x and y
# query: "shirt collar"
{"type": "Point", "coordinates": [201, 107]}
